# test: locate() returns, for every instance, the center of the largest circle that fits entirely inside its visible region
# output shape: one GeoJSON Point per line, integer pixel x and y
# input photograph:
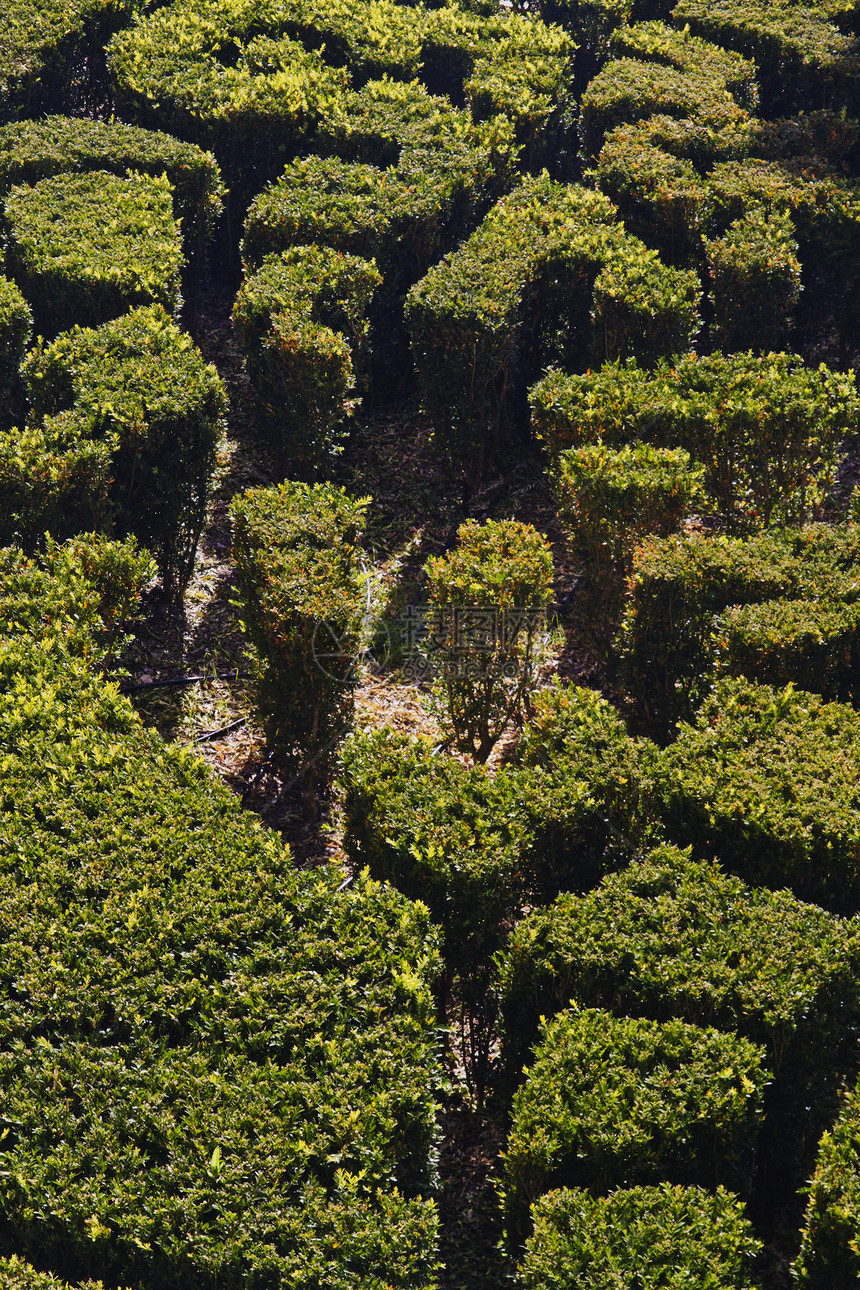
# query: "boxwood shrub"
{"type": "Point", "coordinates": [627, 90]}
{"type": "Point", "coordinates": [660, 1238]}
{"type": "Point", "coordinates": [657, 42]}
{"type": "Point", "coordinates": [506, 64]}
{"type": "Point", "coordinates": [768, 780]}
{"type": "Point", "coordinates": [35, 150]}
{"type": "Point", "coordinates": [814, 644]}
{"type": "Point", "coordinates": [225, 1069]}
{"type": "Point", "coordinates": [615, 404]}
{"type": "Point", "coordinates": [672, 936]}
{"type": "Point", "coordinates": [755, 282]}
{"type": "Point", "coordinates": [609, 501]}
{"type": "Point", "coordinates": [592, 22]}
{"type": "Point", "coordinates": [662, 198]}
{"type": "Point", "coordinates": [586, 787]}
{"type": "Point", "coordinates": [803, 59]}
{"type": "Point", "coordinates": [45, 49]}
{"type": "Point", "coordinates": [123, 425]}
{"type": "Point", "coordinates": [522, 290]}
{"type": "Point", "coordinates": [85, 248]}
{"type": "Point", "coordinates": [410, 176]}
{"type": "Point", "coordinates": [829, 1257]}
{"type": "Point", "coordinates": [614, 1101]}
{"type": "Point", "coordinates": [237, 79]}
{"type": "Point", "coordinates": [767, 428]}
{"type": "Point", "coordinates": [678, 587]}
{"type": "Point", "coordinates": [15, 1274]}
{"type": "Point", "coordinates": [296, 548]}
{"type": "Point", "coordinates": [450, 835]}
{"type": "Point", "coordinates": [302, 321]}
{"type": "Point", "coordinates": [15, 327]}
{"type": "Point", "coordinates": [490, 594]}
{"type": "Point", "coordinates": [822, 204]}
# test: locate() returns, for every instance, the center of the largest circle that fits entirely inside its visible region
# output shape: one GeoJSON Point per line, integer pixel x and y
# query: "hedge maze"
{"type": "Point", "coordinates": [597, 909]}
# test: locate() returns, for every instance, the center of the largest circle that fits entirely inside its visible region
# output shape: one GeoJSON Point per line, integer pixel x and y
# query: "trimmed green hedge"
{"type": "Point", "coordinates": [679, 586]}
{"type": "Point", "coordinates": [657, 1238]}
{"type": "Point", "coordinates": [235, 77]}
{"type": "Point", "coordinates": [477, 847]}
{"type": "Point", "coordinates": [829, 1257]}
{"type": "Point", "coordinates": [672, 936]}
{"type": "Point", "coordinates": [824, 208]}
{"type": "Point", "coordinates": [123, 425]}
{"type": "Point", "coordinates": [662, 198]}
{"type": "Point", "coordinates": [296, 548]}
{"type": "Point", "coordinates": [587, 788]}
{"type": "Point", "coordinates": [803, 60]}
{"type": "Point", "coordinates": [506, 64]}
{"type": "Point", "coordinates": [224, 1070]}
{"type": "Point", "coordinates": [628, 90]}
{"type": "Point", "coordinates": [430, 176]}
{"type": "Point", "coordinates": [767, 429]}
{"type": "Point", "coordinates": [609, 501]}
{"type": "Point", "coordinates": [452, 836]}
{"type": "Point", "coordinates": [44, 50]}
{"type": "Point", "coordinates": [813, 643]}
{"type": "Point", "coordinates": [591, 21]}
{"type": "Point", "coordinates": [613, 1101]}
{"type": "Point", "coordinates": [85, 248]}
{"type": "Point", "coordinates": [490, 593]}
{"type": "Point", "coordinates": [35, 150]}
{"type": "Point", "coordinates": [549, 269]}
{"type": "Point", "coordinates": [15, 327]}
{"type": "Point", "coordinates": [755, 282]}
{"type": "Point", "coordinates": [615, 404]}
{"type": "Point", "coordinates": [769, 780]}
{"type": "Point", "coordinates": [302, 321]}
{"type": "Point", "coordinates": [659, 43]}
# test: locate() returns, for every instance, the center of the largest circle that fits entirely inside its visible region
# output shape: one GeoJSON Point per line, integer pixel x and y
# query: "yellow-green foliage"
{"type": "Point", "coordinates": [86, 248]}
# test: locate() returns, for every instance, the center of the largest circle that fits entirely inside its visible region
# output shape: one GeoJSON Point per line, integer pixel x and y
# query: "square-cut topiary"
{"type": "Point", "coordinates": [411, 176]}
{"type": "Point", "coordinates": [680, 585]}
{"type": "Point", "coordinates": [656, 1238]}
{"type": "Point", "coordinates": [769, 780]}
{"type": "Point", "coordinates": [34, 150]}
{"type": "Point", "coordinates": [123, 425]}
{"type": "Point", "coordinates": [296, 548]}
{"type": "Point", "coordinates": [672, 936]}
{"type": "Point", "coordinates": [628, 90]}
{"type": "Point", "coordinates": [490, 594]}
{"type": "Point", "coordinates": [804, 61]}
{"type": "Point", "coordinates": [612, 1101]}
{"type": "Point", "coordinates": [586, 788]}
{"type": "Point", "coordinates": [549, 275]}
{"type": "Point", "coordinates": [815, 644]}
{"type": "Point", "coordinates": [86, 248]}
{"type": "Point", "coordinates": [767, 428]}
{"type": "Point", "coordinates": [755, 282]}
{"type": "Point", "coordinates": [45, 49]}
{"type": "Point", "coordinates": [451, 835]}
{"type": "Point", "coordinates": [662, 198]}
{"type": "Point", "coordinates": [233, 76]}
{"type": "Point", "coordinates": [302, 318]}
{"type": "Point", "coordinates": [611, 500]}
